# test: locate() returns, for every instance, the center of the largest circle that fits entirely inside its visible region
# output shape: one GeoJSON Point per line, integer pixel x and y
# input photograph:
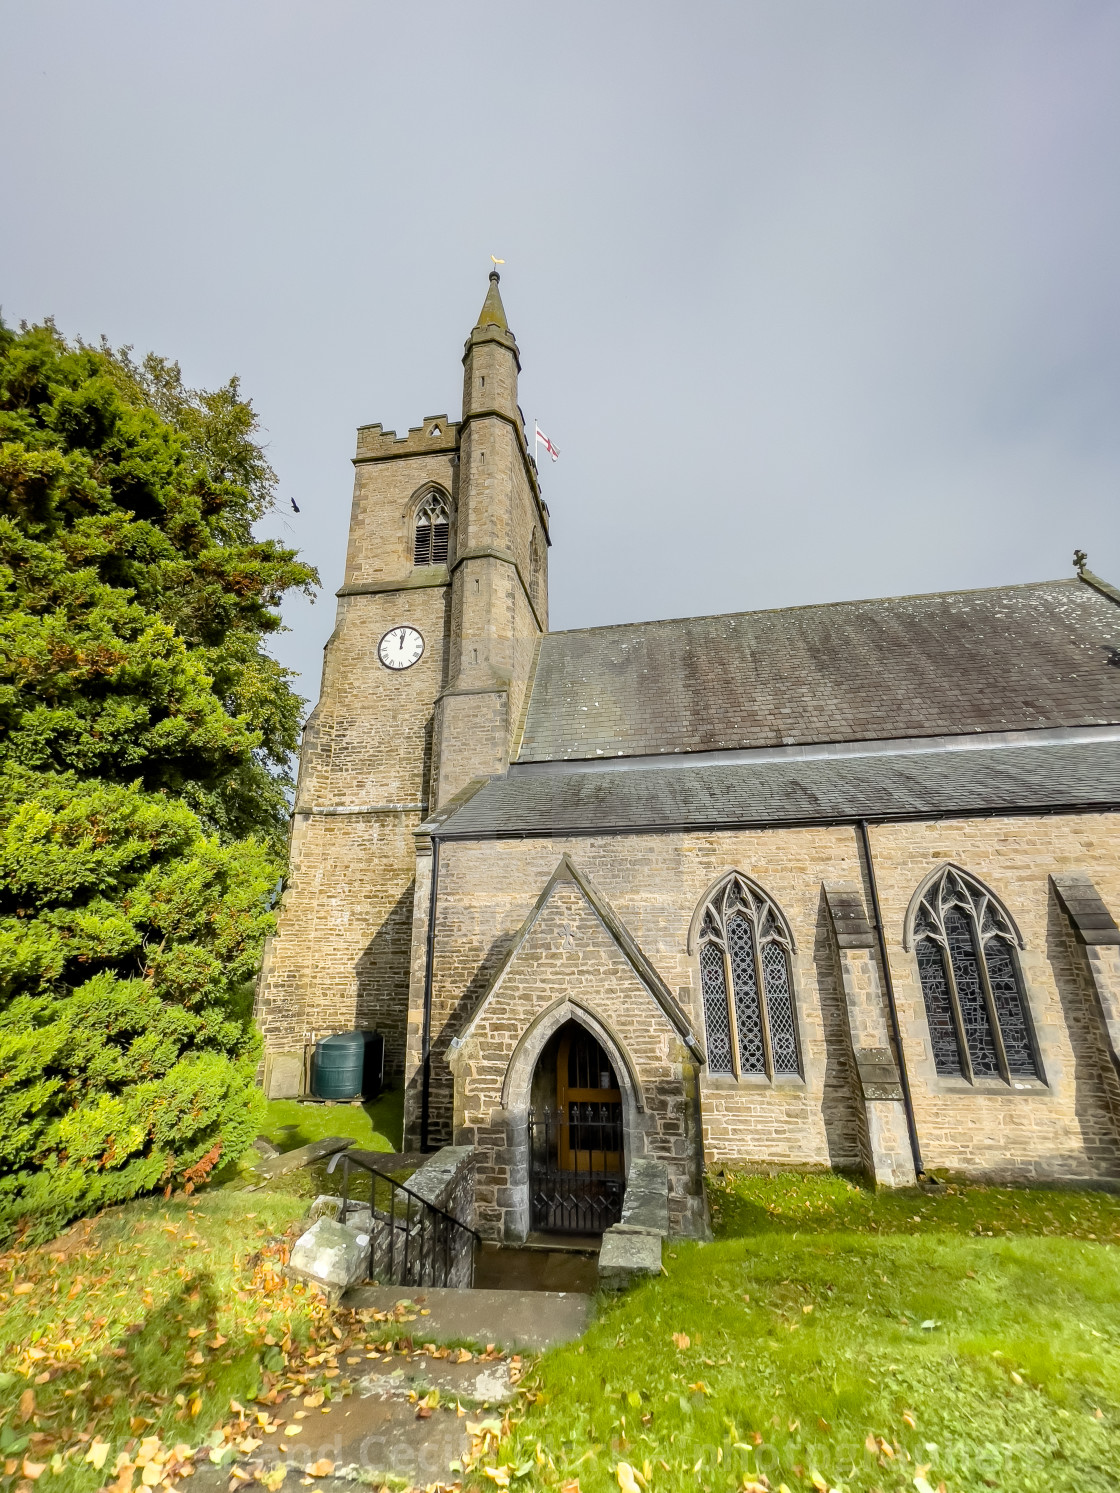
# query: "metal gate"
{"type": "Point", "coordinates": [576, 1169]}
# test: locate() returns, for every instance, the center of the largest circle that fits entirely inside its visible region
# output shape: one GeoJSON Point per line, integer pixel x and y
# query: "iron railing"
{"type": "Point", "coordinates": [576, 1168]}
{"type": "Point", "coordinates": [412, 1242]}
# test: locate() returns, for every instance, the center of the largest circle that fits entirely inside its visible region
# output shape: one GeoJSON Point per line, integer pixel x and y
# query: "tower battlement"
{"type": "Point", "coordinates": [436, 433]}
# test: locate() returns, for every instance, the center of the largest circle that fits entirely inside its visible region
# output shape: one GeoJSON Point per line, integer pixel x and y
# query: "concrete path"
{"type": "Point", "coordinates": [383, 1428]}
{"type": "Point", "coordinates": [511, 1319]}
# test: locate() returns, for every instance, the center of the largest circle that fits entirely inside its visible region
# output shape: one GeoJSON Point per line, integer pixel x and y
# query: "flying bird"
{"type": "Point", "coordinates": [295, 505]}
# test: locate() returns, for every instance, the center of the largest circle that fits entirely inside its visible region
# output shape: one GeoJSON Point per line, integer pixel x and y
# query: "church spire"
{"type": "Point", "coordinates": [493, 313]}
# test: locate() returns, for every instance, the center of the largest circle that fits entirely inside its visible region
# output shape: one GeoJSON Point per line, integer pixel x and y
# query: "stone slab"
{"type": "Point", "coordinates": [645, 1204]}
{"type": "Point", "coordinates": [628, 1255]}
{"type": "Point", "coordinates": [291, 1161]}
{"type": "Point", "coordinates": [517, 1320]}
{"type": "Point", "coordinates": [331, 1255]}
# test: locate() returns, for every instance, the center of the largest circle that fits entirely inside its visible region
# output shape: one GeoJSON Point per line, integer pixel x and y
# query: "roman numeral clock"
{"type": "Point", "coordinates": [400, 648]}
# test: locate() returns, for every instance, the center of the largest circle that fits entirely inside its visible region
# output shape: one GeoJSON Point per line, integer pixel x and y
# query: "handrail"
{"type": "Point", "coordinates": [376, 1172]}
{"type": "Point", "coordinates": [413, 1248]}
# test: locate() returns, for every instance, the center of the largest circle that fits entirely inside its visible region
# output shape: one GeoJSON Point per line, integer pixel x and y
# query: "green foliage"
{"type": "Point", "coordinates": [144, 741]}
{"type": "Point", "coordinates": [837, 1338]}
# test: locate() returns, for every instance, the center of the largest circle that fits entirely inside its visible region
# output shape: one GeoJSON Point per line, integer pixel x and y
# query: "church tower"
{"type": "Point", "coordinates": [499, 588]}
{"type": "Point", "coordinates": [444, 598]}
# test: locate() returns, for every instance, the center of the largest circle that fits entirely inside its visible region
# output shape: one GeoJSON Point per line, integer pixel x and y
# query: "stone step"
{"type": "Point", "coordinates": [514, 1320]}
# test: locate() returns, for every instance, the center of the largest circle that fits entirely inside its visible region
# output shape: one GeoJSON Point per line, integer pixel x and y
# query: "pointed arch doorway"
{"type": "Point", "coordinates": [576, 1158]}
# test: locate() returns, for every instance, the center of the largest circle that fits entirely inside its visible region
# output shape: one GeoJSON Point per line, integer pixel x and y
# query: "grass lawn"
{"type": "Point", "coordinates": [832, 1337]}
{"type": "Point", "coordinates": [375, 1126]}
{"type": "Point", "coordinates": [146, 1321]}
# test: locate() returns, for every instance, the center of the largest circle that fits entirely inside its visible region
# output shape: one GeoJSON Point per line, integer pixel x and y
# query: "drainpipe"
{"type": "Point", "coordinates": [426, 1039]}
{"type": "Point", "coordinates": [892, 1009]}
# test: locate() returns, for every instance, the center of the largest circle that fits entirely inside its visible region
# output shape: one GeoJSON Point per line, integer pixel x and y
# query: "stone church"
{"type": "Point", "coordinates": [824, 886]}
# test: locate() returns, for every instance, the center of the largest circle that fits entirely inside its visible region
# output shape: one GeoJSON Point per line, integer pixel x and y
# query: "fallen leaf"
{"type": "Point", "coordinates": [322, 1468]}
{"type": "Point", "coordinates": [871, 1443]}
{"type": "Point", "coordinates": [313, 1401]}
{"type": "Point", "coordinates": [274, 1477]}
{"type": "Point", "coordinates": [33, 1470]}
{"type": "Point", "coordinates": [465, 1356]}
{"type": "Point", "coordinates": [193, 1332]}
{"type": "Point", "coordinates": [499, 1475]}
{"type": "Point", "coordinates": [626, 1478]}
{"type": "Point", "coordinates": [24, 1288]}
{"type": "Point", "coordinates": [97, 1453]}
{"type": "Point", "coordinates": [295, 1429]}
{"type": "Point", "coordinates": [682, 1341]}
{"type": "Point", "coordinates": [572, 1486]}
{"type": "Point", "coordinates": [27, 1404]}
{"type": "Point", "coordinates": [908, 1417]}
{"type": "Point", "coordinates": [806, 1310]}
{"type": "Point", "coordinates": [820, 1483]}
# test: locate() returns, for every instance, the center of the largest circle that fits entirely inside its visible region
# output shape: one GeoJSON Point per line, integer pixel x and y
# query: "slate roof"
{"type": "Point", "coordinates": [771, 792]}
{"type": "Point", "coordinates": [1006, 659]}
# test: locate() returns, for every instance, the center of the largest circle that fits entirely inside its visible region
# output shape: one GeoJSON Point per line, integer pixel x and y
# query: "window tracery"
{"type": "Point", "coordinates": [975, 1003]}
{"type": "Point", "coordinates": [747, 986]}
{"type": "Point", "coordinates": [433, 530]}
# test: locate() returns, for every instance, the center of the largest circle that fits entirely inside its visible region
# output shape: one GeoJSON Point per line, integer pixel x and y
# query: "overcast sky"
{"type": "Point", "coordinates": [818, 298]}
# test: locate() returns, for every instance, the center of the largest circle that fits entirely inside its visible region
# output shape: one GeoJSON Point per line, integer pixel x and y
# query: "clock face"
{"type": "Point", "coordinates": [400, 648]}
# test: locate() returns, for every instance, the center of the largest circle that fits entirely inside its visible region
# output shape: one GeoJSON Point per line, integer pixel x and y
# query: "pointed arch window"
{"type": "Point", "coordinates": [975, 1005]}
{"type": "Point", "coordinates": [433, 530]}
{"type": "Point", "coordinates": [745, 975]}
{"type": "Point", "coordinates": [534, 567]}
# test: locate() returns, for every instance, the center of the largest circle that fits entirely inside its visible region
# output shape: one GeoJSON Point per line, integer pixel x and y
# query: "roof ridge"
{"type": "Point", "coordinates": [818, 606]}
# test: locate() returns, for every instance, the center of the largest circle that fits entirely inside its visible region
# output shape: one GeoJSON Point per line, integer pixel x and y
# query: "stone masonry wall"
{"type": "Point", "coordinates": [1063, 1128]}
{"type": "Point", "coordinates": [568, 955]}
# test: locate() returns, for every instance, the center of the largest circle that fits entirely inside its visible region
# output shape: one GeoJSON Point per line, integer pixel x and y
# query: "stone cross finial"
{"type": "Point", "coordinates": [1080, 559]}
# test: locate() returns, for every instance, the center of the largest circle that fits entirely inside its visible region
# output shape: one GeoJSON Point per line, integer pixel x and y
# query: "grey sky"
{"type": "Point", "coordinates": [819, 300]}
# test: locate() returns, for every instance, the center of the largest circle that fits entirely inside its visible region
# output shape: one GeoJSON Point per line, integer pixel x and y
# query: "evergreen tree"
{"type": "Point", "coordinates": [144, 741]}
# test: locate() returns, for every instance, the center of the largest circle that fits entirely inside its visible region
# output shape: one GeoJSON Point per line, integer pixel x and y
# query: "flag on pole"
{"type": "Point", "coordinates": [542, 440]}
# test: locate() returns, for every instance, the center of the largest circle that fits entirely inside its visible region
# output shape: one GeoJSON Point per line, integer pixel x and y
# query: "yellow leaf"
{"type": "Point", "coordinates": [294, 1429]}
{"type": "Point", "coordinates": [806, 1310]}
{"type": "Point", "coordinates": [193, 1332]}
{"type": "Point", "coordinates": [322, 1468]}
{"type": "Point", "coordinates": [908, 1417]}
{"type": "Point", "coordinates": [499, 1475]}
{"type": "Point", "coordinates": [465, 1356]}
{"type": "Point", "coordinates": [313, 1401]}
{"type": "Point", "coordinates": [274, 1477]}
{"type": "Point", "coordinates": [33, 1470]}
{"type": "Point", "coordinates": [871, 1443]}
{"type": "Point", "coordinates": [682, 1340]}
{"type": "Point", "coordinates": [152, 1475]}
{"type": "Point", "coordinates": [922, 1486]}
{"type": "Point", "coordinates": [98, 1451]}
{"type": "Point", "coordinates": [626, 1479]}
{"type": "Point", "coordinates": [24, 1288]}
{"type": "Point", "coordinates": [820, 1483]}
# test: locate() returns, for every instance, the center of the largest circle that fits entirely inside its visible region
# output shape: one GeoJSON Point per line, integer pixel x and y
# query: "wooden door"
{"type": "Point", "coordinates": [590, 1114]}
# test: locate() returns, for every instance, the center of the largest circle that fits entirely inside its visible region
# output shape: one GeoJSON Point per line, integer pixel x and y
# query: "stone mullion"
{"type": "Point", "coordinates": [729, 983]}
{"type": "Point", "coordinates": [989, 999]}
{"type": "Point", "coordinates": [763, 1006]}
{"type": "Point", "coordinates": [958, 1017]}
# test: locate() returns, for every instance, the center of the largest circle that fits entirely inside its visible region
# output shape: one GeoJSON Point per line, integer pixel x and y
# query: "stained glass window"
{"type": "Point", "coordinates": [745, 977]}
{"type": "Point", "coordinates": [975, 1007]}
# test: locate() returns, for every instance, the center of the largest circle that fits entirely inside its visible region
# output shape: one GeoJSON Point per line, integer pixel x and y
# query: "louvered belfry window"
{"type": "Point", "coordinates": [975, 1006]}
{"type": "Point", "coordinates": [748, 992]}
{"type": "Point", "coordinates": [433, 528]}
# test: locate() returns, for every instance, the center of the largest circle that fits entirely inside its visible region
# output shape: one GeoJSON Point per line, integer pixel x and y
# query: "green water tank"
{"type": "Point", "coordinates": [336, 1067]}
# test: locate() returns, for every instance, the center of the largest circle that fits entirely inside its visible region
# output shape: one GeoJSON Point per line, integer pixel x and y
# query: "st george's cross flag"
{"type": "Point", "coordinates": [542, 439]}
